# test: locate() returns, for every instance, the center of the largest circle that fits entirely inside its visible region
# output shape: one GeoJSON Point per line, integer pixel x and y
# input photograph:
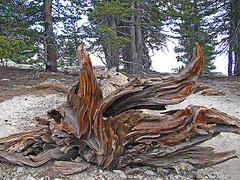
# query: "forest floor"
{"type": "Point", "coordinates": [19, 107]}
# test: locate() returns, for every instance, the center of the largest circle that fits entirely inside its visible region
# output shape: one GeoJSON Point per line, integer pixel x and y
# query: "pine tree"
{"type": "Point", "coordinates": [17, 38]}
{"type": "Point", "coordinates": [227, 26]}
{"type": "Point", "coordinates": [71, 35]}
{"type": "Point", "coordinates": [192, 24]}
{"type": "Point", "coordinates": [33, 25]}
{"type": "Point", "coordinates": [125, 31]}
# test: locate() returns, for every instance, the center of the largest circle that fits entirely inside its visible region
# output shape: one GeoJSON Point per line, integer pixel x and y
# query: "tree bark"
{"type": "Point", "coordinates": [135, 65]}
{"type": "Point", "coordinates": [139, 40]}
{"type": "Point", "coordinates": [51, 64]}
{"type": "Point", "coordinates": [230, 58]}
{"type": "Point", "coordinates": [116, 131]}
{"type": "Point", "coordinates": [113, 48]}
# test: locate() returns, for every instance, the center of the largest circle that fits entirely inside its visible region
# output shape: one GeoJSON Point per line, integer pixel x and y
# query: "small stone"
{"type": "Point", "coordinates": [6, 80]}
{"type": "Point", "coordinates": [51, 80]}
{"type": "Point", "coordinates": [29, 177]}
{"type": "Point", "coordinates": [117, 171]}
{"type": "Point", "coordinates": [130, 171]}
{"type": "Point", "coordinates": [176, 177]}
{"type": "Point", "coordinates": [57, 179]}
{"type": "Point", "coordinates": [121, 173]}
{"type": "Point", "coordinates": [78, 159]}
{"type": "Point", "coordinates": [150, 173]}
{"type": "Point", "coordinates": [124, 176]}
{"type": "Point", "coordinates": [182, 166]}
{"type": "Point", "coordinates": [90, 178]}
{"type": "Point", "coordinates": [19, 169]}
{"type": "Point", "coordinates": [100, 171]}
{"type": "Point", "coordinates": [41, 178]}
{"type": "Point", "coordinates": [212, 176]}
{"type": "Point", "coordinates": [159, 178]}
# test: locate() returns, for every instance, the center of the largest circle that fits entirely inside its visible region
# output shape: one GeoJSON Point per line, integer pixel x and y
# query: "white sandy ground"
{"type": "Point", "coordinates": [18, 113]}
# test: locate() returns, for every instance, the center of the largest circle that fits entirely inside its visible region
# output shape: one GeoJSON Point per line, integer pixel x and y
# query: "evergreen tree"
{"type": "Point", "coordinates": [125, 31]}
{"type": "Point", "coordinates": [71, 35]}
{"type": "Point", "coordinates": [227, 26]}
{"type": "Point", "coordinates": [30, 25]}
{"type": "Point", "coordinates": [192, 24]}
{"type": "Point", "coordinates": [17, 38]}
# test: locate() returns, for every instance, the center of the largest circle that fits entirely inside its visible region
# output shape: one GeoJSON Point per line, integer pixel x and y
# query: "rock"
{"type": "Point", "coordinates": [100, 171]}
{"type": "Point", "coordinates": [121, 173]}
{"type": "Point", "coordinates": [51, 80]}
{"type": "Point", "coordinates": [118, 171]}
{"type": "Point", "coordinates": [182, 166]}
{"type": "Point", "coordinates": [8, 80]}
{"type": "Point", "coordinates": [130, 171]}
{"type": "Point", "coordinates": [212, 176]}
{"type": "Point", "coordinates": [150, 173]}
{"type": "Point", "coordinates": [90, 178]}
{"type": "Point", "coordinates": [140, 177]}
{"type": "Point", "coordinates": [29, 177]}
{"type": "Point", "coordinates": [19, 169]}
{"type": "Point", "coordinates": [78, 159]}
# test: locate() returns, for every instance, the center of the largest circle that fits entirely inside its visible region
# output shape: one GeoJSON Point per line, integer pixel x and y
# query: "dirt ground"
{"type": "Point", "coordinates": [19, 106]}
{"type": "Point", "coordinates": [11, 78]}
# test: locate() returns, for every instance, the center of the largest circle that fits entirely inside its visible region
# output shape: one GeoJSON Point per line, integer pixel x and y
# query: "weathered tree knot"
{"type": "Point", "coordinates": [117, 128]}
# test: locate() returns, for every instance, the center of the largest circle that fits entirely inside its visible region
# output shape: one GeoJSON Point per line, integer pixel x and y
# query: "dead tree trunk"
{"type": "Point", "coordinates": [115, 131]}
{"type": "Point", "coordinates": [50, 49]}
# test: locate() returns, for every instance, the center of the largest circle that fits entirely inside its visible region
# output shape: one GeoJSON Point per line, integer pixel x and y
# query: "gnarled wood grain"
{"type": "Point", "coordinates": [114, 132]}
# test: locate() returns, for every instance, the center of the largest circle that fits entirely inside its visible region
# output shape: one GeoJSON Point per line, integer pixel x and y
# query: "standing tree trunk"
{"type": "Point", "coordinates": [135, 65]}
{"type": "Point", "coordinates": [234, 32]}
{"type": "Point", "coordinates": [113, 52]}
{"type": "Point", "coordinates": [139, 40]}
{"type": "Point", "coordinates": [51, 64]}
{"type": "Point", "coordinates": [116, 131]}
{"type": "Point", "coordinates": [230, 58]}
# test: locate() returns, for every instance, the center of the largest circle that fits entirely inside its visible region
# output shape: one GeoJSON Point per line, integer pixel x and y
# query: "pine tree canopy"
{"type": "Point", "coordinates": [120, 32]}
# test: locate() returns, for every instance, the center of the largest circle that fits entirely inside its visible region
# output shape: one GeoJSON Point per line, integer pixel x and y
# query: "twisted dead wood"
{"type": "Point", "coordinates": [115, 131]}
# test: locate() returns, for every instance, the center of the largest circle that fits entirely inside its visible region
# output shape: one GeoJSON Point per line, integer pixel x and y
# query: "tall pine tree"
{"type": "Point", "coordinates": [17, 37]}
{"type": "Point", "coordinates": [192, 24]}
{"type": "Point", "coordinates": [227, 27]}
{"type": "Point", "coordinates": [126, 30]}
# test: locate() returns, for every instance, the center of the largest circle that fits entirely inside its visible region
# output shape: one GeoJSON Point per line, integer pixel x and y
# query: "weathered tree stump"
{"type": "Point", "coordinates": [115, 131]}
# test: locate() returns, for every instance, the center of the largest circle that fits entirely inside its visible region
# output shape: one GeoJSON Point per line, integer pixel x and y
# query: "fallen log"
{"type": "Point", "coordinates": [53, 85]}
{"type": "Point", "coordinates": [115, 131]}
